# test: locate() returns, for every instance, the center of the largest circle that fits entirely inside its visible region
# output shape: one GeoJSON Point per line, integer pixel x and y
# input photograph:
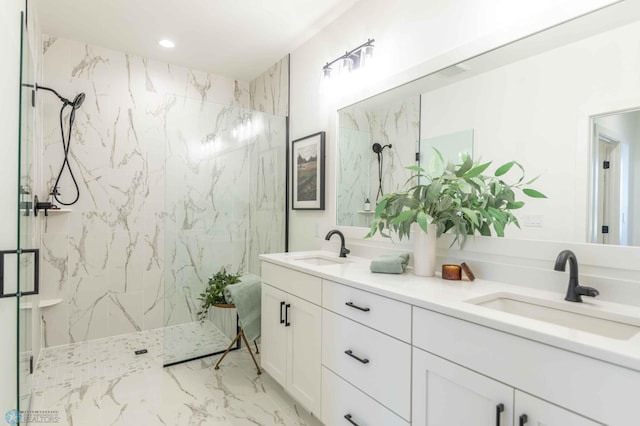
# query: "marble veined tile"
{"type": "Point", "coordinates": [395, 124]}
{"type": "Point", "coordinates": [176, 176]}
{"type": "Point", "coordinates": [103, 382]}
{"type": "Point", "coordinates": [191, 340]}
{"type": "Point", "coordinates": [269, 92]}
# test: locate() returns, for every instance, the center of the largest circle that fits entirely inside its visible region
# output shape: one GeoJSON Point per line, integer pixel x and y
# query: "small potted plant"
{"type": "Point", "coordinates": [214, 292]}
{"type": "Point", "coordinates": [459, 198]}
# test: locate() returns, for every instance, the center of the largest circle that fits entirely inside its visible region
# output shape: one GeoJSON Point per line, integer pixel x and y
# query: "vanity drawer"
{"type": "Point", "coordinates": [377, 364]}
{"type": "Point", "coordinates": [386, 315]}
{"type": "Point", "coordinates": [340, 399]}
{"type": "Point", "coordinates": [293, 282]}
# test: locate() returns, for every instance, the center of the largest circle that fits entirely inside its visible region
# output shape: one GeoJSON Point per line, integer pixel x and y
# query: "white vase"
{"type": "Point", "coordinates": [424, 250]}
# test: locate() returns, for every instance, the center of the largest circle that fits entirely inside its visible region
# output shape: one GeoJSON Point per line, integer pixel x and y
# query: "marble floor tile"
{"type": "Point", "coordinates": [103, 383]}
{"type": "Point", "coordinates": [191, 340]}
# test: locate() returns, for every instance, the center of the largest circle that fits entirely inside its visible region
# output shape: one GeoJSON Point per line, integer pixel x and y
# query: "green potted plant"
{"type": "Point", "coordinates": [214, 292]}
{"type": "Point", "coordinates": [459, 198]}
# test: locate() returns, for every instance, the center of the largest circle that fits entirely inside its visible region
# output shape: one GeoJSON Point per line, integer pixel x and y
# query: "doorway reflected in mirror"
{"type": "Point", "coordinates": [616, 193]}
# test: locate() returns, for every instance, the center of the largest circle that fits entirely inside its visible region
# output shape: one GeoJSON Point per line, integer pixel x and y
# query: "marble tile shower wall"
{"type": "Point", "coordinates": [270, 91]}
{"type": "Point", "coordinates": [164, 192]}
{"type": "Point", "coordinates": [395, 123]}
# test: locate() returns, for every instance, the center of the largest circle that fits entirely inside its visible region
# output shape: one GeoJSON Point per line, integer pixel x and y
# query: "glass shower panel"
{"type": "Point", "coordinates": [224, 201]}
{"type": "Point", "coordinates": [27, 261]}
{"type": "Point", "coordinates": [355, 178]}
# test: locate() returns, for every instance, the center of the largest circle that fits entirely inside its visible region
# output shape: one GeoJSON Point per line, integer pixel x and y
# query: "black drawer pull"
{"type": "Point", "coordinates": [362, 360]}
{"type": "Point", "coordinates": [499, 410]}
{"type": "Point", "coordinates": [286, 315]}
{"type": "Point", "coordinates": [281, 319]}
{"type": "Point", "coordinates": [351, 305]}
{"type": "Point", "coordinates": [523, 420]}
{"type": "Point", "coordinates": [350, 420]}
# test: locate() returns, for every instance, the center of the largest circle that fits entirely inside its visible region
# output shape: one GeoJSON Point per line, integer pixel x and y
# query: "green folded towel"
{"type": "Point", "coordinates": [390, 263]}
{"type": "Point", "coordinates": [246, 295]}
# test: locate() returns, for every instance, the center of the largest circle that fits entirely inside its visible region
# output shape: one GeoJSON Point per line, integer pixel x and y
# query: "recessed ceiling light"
{"type": "Point", "coordinates": [166, 43]}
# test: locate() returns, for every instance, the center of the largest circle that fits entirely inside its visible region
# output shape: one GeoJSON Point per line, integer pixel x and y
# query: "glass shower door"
{"type": "Point", "coordinates": [26, 257]}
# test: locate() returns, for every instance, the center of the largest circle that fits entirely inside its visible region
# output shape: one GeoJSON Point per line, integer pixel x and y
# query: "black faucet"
{"type": "Point", "coordinates": [343, 250]}
{"type": "Point", "coordinates": [575, 290]}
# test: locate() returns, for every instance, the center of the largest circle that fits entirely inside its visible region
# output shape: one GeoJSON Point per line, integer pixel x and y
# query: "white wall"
{"type": "Point", "coordinates": [634, 178]}
{"type": "Point", "coordinates": [413, 38]}
{"type": "Point", "coordinates": [9, 80]}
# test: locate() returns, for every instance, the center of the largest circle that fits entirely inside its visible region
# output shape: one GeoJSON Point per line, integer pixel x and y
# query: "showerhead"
{"type": "Point", "coordinates": [377, 148]}
{"type": "Point", "coordinates": [77, 101]}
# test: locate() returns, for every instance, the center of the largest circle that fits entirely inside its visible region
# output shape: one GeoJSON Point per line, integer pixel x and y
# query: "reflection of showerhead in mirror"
{"type": "Point", "coordinates": [377, 148]}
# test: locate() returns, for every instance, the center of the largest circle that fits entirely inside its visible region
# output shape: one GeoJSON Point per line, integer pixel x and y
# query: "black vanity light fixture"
{"type": "Point", "coordinates": [351, 60]}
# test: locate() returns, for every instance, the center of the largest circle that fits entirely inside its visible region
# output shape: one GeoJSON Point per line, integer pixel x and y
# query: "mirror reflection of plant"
{"type": "Point", "coordinates": [460, 198]}
{"type": "Point", "coordinates": [214, 292]}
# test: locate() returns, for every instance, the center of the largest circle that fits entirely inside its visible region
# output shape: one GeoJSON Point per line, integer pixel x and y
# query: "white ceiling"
{"type": "Point", "coordinates": [234, 38]}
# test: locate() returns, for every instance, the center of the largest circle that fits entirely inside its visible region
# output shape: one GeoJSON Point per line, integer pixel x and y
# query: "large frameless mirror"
{"type": "Point", "coordinates": [539, 101]}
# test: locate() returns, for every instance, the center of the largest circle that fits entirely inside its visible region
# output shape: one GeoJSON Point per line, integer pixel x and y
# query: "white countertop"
{"type": "Point", "coordinates": [449, 298]}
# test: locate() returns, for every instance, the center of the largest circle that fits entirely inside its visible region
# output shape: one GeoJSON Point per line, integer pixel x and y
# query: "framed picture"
{"type": "Point", "coordinates": [307, 164]}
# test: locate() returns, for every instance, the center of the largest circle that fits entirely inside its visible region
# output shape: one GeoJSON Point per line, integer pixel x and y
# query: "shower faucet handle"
{"type": "Point", "coordinates": [41, 205]}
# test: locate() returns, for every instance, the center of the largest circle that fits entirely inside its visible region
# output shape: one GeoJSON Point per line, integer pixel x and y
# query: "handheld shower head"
{"type": "Point", "coordinates": [77, 101]}
{"type": "Point", "coordinates": [66, 139]}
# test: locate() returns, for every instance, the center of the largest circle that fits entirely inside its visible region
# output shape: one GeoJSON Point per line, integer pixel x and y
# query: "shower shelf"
{"type": "Point", "coordinates": [53, 211]}
{"type": "Point", "coordinates": [366, 211]}
{"type": "Point", "coordinates": [42, 304]}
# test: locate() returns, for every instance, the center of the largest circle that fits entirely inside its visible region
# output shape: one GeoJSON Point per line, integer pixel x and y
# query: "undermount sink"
{"type": "Point", "coordinates": [320, 260]}
{"type": "Point", "coordinates": [579, 317]}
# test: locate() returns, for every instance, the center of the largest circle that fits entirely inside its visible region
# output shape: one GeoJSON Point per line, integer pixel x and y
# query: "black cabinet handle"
{"type": "Point", "coordinates": [281, 319]}
{"type": "Point", "coordinates": [351, 305]}
{"type": "Point", "coordinates": [523, 420]}
{"type": "Point", "coordinates": [362, 360]}
{"type": "Point", "coordinates": [350, 420]}
{"type": "Point", "coordinates": [499, 410]}
{"type": "Point", "coordinates": [286, 315]}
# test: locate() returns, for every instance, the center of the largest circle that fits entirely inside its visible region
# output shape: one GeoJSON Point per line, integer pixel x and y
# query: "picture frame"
{"type": "Point", "coordinates": [307, 165]}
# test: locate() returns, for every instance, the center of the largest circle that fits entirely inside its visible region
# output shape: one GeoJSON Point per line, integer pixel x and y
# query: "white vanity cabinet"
{"type": "Point", "coordinates": [353, 354]}
{"type": "Point", "coordinates": [291, 333]}
{"type": "Point", "coordinates": [551, 386]}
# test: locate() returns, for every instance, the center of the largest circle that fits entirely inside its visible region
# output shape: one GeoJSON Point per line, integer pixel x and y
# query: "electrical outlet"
{"type": "Point", "coordinates": [532, 220]}
{"type": "Point", "coordinates": [317, 229]}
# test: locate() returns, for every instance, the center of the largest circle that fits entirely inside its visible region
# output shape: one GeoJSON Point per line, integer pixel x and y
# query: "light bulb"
{"type": "Point", "coordinates": [347, 63]}
{"type": "Point", "coordinates": [167, 43]}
